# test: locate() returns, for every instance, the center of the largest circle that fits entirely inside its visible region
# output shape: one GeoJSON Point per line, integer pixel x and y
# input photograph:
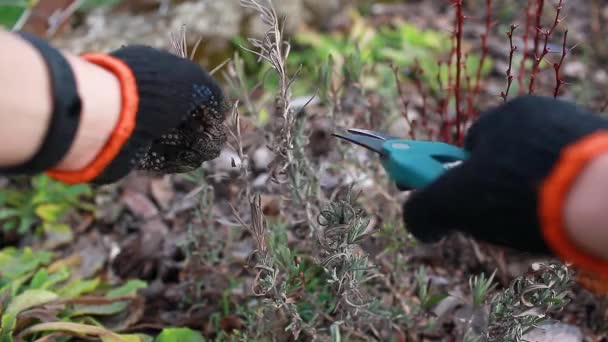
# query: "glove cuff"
{"type": "Point", "coordinates": [123, 129]}
{"type": "Point", "coordinates": [552, 195]}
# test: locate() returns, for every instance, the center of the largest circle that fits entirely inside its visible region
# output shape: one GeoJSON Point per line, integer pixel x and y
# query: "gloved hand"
{"type": "Point", "coordinates": [179, 115]}
{"type": "Point", "coordinates": [524, 155]}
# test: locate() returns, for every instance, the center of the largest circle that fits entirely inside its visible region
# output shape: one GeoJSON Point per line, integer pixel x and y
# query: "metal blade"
{"type": "Point", "coordinates": [373, 134]}
{"type": "Point", "coordinates": [369, 142]}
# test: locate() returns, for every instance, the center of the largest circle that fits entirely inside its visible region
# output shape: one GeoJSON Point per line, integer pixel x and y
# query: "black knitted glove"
{"type": "Point", "coordinates": [171, 119]}
{"type": "Point", "coordinates": [494, 195]}
{"type": "Point", "coordinates": [180, 116]}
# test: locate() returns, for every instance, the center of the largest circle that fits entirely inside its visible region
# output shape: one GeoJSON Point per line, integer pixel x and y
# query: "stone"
{"type": "Point", "coordinates": [575, 69]}
{"type": "Point", "coordinates": [262, 157]}
{"type": "Point", "coordinates": [555, 332]}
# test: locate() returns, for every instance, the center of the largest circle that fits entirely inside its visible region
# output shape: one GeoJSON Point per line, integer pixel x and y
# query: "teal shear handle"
{"type": "Point", "coordinates": [411, 164]}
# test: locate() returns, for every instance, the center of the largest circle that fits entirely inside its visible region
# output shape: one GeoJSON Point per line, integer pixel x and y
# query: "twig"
{"type": "Point", "coordinates": [537, 26]}
{"type": "Point", "coordinates": [60, 17]}
{"type": "Point", "coordinates": [484, 48]}
{"type": "Point", "coordinates": [525, 54]}
{"type": "Point", "coordinates": [512, 50]}
{"type": "Point", "coordinates": [547, 34]}
{"type": "Point", "coordinates": [457, 91]}
{"type": "Point", "coordinates": [557, 66]}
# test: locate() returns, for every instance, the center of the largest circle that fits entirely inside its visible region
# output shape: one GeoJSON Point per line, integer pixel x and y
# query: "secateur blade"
{"type": "Point", "coordinates": [371, 140]}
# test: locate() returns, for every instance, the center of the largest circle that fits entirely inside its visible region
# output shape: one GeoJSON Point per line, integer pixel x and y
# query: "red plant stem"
{"type": "Point", "coordinates": [557, 66]}
{"type": "Point", "coordinates": [547, 34]}
{"type": "Point", "coordinates": [526, 37]}
{"type": "Point", "coordinates": [484, 47]}
{"type": "Point", "coordinates": [512, 50]}
{"type": "Point", "coordinates": [457, 90]}
{"type": "Point", "coordinates": [538, 27]}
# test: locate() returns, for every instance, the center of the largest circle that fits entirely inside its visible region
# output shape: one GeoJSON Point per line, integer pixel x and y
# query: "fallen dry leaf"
{"type": "Point", "coordinates": [271, 205]}
{"type": "Point", "coordinates": [162, 191]}
{"type": "Point", "coordinates": [139, 204]}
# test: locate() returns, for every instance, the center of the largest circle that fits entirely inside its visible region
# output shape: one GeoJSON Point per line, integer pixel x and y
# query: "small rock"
{"type": "Point", "coordinates": [361, 183]}
{"type": "Point", "coordinates": [400, 127]}
{"type": "Point", "coordinates": [446, 306]}
{"type": "Point", "coordinates": [471, 318]}
{"type": "Point", "coordinates": [262, 157]}
{"type": "Point", "coordinates": [227, 161]}
{"type": "Point", "coordinates": [260, 181]}
{"type": "Point", "coordinates": [600, 76]}
{"type": "Point", "coordinates": [328, 178]}
{"type": "Point", "coordinates": [575, 69]}
{"type": "Point", "coordinates": [555, 332]}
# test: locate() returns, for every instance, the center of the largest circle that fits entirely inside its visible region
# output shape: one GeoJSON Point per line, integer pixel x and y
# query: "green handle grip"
{"type": "Point", "coordinates": [414, 164]}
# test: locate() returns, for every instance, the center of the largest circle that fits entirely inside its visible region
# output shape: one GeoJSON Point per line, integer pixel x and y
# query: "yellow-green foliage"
{"type": "Point", "coordinates": [41, 205]}
{"type": "Point", "coordinates": [39, 296]}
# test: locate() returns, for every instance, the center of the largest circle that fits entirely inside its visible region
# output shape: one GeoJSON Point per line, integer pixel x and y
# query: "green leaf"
{"type": "Point", "coordinates": [130, 288]}
{"type": "Point", "coordinates": [99, 309]}
{"type": "Point", "coordinates": [79, 287]}
{"type": "Point", "coordinates": [91, 4]}
{"type": "Point", "coordinates": [9, 15]}
{"type": "Point", "coordinates": [25, 224]}
{"type": "Point", "coordinates": [83, 329]}
{"type": "Point", "coordinates": [14, 285]}
{"type": "Point", "coordinates": [6, 213]}
{"type": "Point", "coordinates": [39, 279]}
{"type": "Point", "coordinates": [29, 299]}
{"type": "Point", "coordinates": [50, 212]}
{"type": "Point", "coordinates": [179, 335]}
{"type": "Point", "coordinates": [46, 282]}
{"type": "Point", "coordinates": [15, 263]}
{"type": "Point", "coordinates": [57, 234]}
{"type": "Point", "coordinates": [7, 325]}
{"type": "Point", "coordinates": [128, 338]}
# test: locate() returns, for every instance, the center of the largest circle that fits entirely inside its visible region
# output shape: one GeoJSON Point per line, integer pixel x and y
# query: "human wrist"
{"type": "Point", "coordinates": [99, 90]}
{"type": "Point", "coordinates": [27, 96]}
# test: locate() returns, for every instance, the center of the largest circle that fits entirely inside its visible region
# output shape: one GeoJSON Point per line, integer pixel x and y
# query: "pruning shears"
{"type": "Point", "coordinates": [411, 164]}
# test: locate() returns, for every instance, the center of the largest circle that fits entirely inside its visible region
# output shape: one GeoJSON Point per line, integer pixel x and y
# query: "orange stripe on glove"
{"type": "Point", "coordinates": [593, 270]}
{"type": "Point", "coordinates": [123, 130]}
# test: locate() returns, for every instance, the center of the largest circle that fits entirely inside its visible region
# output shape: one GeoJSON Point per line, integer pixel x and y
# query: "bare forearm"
{"type": "Point", "coordinates": [25, 101]}
{"type": "Point", "coordinates": [25, 105]}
